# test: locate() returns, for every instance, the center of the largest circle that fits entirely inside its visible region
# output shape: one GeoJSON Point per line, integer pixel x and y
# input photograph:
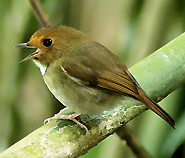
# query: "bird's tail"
{"type": "Point", "coordinates": [155, 108]}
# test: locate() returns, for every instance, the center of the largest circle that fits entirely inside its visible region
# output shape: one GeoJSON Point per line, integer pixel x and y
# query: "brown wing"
{"type": "Point", "coordinates": [118, 81]}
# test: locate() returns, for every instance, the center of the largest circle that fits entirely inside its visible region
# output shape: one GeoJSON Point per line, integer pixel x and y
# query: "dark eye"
{"type": "Point", "coordinates": [47, 42]}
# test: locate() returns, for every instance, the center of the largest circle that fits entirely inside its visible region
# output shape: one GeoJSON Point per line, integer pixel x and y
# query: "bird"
{"type": "Point", "coordinates": [83, 74]}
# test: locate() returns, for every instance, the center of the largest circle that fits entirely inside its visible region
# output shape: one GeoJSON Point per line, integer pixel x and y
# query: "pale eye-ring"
{"type": "Point", "coordinates": [47, 42]}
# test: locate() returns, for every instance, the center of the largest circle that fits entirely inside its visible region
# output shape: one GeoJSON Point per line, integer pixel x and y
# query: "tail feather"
{"type": "Point", "coordinates": [156, 108]}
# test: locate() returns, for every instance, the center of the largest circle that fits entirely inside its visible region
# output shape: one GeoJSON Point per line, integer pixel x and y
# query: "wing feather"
{"type": "Point", "coordinates": [118, 82]}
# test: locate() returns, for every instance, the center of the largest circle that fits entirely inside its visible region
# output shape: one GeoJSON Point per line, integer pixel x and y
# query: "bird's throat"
{"type": "Point", "coordinates": [42, 67]}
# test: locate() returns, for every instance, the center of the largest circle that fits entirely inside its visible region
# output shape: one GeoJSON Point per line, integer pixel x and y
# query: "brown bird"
{"type": "Point", "coordinates": [83, 74]}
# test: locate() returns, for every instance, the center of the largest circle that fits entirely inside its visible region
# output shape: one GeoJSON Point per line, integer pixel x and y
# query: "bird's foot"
{"type": "Point", "coordinates": [66, 117]}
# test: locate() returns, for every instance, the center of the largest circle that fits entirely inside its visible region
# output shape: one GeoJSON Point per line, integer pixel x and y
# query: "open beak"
{"type": "Point", "coordinates": [31, 56]}
{"type": "Point", "coordinates": [25, 45]}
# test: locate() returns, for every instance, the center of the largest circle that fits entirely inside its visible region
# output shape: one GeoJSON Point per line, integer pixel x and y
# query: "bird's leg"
{"type": "Point", "coordinates": [71, 117]}
{"type": "Point", "coordinates": [55, 116]}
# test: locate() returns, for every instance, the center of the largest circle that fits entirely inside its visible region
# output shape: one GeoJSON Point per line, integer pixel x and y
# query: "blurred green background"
{"type": "Point", "coordinates": [132, 29]}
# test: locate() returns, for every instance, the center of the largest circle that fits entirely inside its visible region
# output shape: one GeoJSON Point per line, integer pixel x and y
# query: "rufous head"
{"type": "Point", "coordinates": [52, 42]}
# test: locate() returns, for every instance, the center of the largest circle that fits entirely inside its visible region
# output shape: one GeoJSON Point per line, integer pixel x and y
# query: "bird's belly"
{"type": "Point", "coordinates": [80, 98]}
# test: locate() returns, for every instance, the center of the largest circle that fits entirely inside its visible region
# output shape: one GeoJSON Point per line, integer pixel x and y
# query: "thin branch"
{"type": "Point", "coordinates": [127, 135]}
{"type": "Point", "coordinates": [39, 13]}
